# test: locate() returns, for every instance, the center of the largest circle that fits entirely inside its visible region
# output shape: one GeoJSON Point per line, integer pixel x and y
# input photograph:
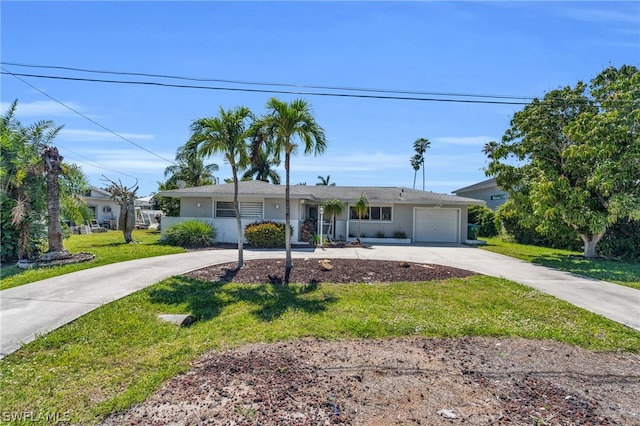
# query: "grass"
{"type": "Point", "coordinates": [623, 273]}
{"type": "Point", "coordinates": [109, 247]}
{"type": "Point", "coordinates": [120, 353]}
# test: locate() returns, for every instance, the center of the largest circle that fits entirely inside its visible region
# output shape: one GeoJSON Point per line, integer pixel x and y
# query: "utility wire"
{"type": "Point", "coordinates": [288, 92]}
{"type": "Point", "coordinates": [303, 86]}
{"type": "Point", "coordinates": [17, 76]}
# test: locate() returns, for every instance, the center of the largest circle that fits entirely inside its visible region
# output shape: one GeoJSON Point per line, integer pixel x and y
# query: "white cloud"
{"type": "Point", "coordinates": [81, 135]}
{"type": "Point", "coordinates": [464, 140]}
{"type": "Point", "coordinates": [43, 109]}
{"type": "Point", "coordinates": [349, 162]}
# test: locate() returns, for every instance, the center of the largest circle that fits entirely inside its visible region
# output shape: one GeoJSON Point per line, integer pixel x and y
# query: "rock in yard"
{"type": "Point", "coordinates": [448, 414]}
{"type": "Point", "coordinates": [180, 319]}
{"type": "Point", "coordinates": [325, 265]}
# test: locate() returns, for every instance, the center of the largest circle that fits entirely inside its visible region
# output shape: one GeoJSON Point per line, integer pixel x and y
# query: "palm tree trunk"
{"type": "Point", "coordinates": [415, 173]}
{"type": "Point", "coordinates": [236, 208]}
{"type": "Point", "coordinates": [54, 230]}
{"type": "Point", "coordinates": [423, 175]}
{"type": "Point", "coordinates": [287, 220]}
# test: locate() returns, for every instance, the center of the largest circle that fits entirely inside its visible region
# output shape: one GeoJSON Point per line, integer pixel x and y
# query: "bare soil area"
{"type": "Point", "coordinates": [407, 381]}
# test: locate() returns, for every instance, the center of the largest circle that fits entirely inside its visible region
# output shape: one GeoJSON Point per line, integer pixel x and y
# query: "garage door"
{"type": "Point", "coordinates": [433, 225]}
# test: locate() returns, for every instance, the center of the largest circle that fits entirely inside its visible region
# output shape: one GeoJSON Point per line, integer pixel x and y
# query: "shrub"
{"type": "Point", "coordinates": [400, 234]}
{"type": "Point", "coordinates": [191, 233]}
{"type": "Point", "coordinates": [485, 218]}
{"type": "Point", "coordinates": [622, 241]}
{"type": "Point", "coordinates": [265, 234]}
{"type": "Point", "coordinates": [380, 234]}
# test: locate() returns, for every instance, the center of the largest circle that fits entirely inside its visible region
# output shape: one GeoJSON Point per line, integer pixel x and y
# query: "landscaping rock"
{"type": "Point", "coordinates": [183, 320]}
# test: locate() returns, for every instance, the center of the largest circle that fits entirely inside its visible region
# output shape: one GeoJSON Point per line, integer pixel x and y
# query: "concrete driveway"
{"type": "Point", "coordinates": [37, 308]}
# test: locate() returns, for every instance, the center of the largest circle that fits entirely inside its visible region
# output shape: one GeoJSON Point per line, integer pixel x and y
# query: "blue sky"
{"type": "Point", "coordinates": [481, 48]}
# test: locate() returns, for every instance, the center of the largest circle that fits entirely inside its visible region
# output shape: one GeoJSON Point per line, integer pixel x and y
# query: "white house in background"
{"type": "Point", "coordinates": [487, 190]}
{"type": "Point", "coordinates": [105, 210]}
{"type": "Point", "coordinates": [422, 216]}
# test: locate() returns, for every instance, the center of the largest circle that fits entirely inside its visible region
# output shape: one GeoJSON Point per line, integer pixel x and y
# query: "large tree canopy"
{"type": "Point", "coordinates": [572, 159]}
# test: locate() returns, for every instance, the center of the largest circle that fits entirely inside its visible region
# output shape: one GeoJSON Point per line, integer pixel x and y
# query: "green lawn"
{"type": "Point", "coordinates": [120, 353]}
{"type": "Point", "coordinates": [624, 273]}
{"type": "Point", "coordinates": [109, 247]}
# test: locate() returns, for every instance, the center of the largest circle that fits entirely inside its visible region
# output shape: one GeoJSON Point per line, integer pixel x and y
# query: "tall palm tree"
{"type": "Point", "coordinates": [415, 163]}
{"type": "Point", "coordinates": [285, 125]}
{"type": "Point", "coordinates": [421, 145]}
{"type": "Point", "coordinates": [226, 134]}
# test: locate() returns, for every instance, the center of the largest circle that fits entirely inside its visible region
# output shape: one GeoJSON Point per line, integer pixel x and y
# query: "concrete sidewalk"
{"type": "Point", "coordinates": [37, 308]}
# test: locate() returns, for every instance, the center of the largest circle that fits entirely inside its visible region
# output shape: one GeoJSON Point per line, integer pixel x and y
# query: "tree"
{"type": "Point", "coordinates": [283, 126]}
{"type": "Point", "coordinates": [226, 134]}
{"type": "Point", "coordinates": [73, 185]}
{"type": "Point", "coordinates": [263, 162]}
{"type": "Point", "coordinates": [53, 168]}
{"type": "Point", "coordinates": [577, 155]}
{"type": "Point", "coordinates": [23, 194]}
{"type": "Point", "coordinates": [420, 146]}
{"type": "Point", "coordinates": [190, 169]}
{"type": "Point", "coordinates": [415, 163]}
{"type": "Point", "coordinates": [325, 181]}
{"type": "Point", "coordinates": [361, 207]}
{"type": "Point", "coordinates": [124, 197]}
{"type": "Point", "coordinates": [332, 208]}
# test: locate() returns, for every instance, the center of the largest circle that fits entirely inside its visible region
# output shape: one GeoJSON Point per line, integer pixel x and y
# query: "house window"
{"type": "Point", "coordinates": [247, 209]}
{"type": "Point", "coordinates": [499, 197]}
{"type": "Point", "coordinates": [377, 213]}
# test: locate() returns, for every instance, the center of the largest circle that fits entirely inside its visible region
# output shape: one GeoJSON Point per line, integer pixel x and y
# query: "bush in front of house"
{"type": "Point", "coordinates": [265, 234]}
{"type": "Point", "coordinates": [622, 241]}
{"type": "Point", "coordinates": [190, 233]}
{"type": "Point", "coordinates": [485, 218]}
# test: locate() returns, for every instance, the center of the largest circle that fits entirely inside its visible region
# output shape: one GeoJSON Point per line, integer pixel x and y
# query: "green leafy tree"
{"type": "Point", "coordinates": [285, 125]}
{"type": "Point", "coordinates": [73, 185]}
{"type": "Point", "coordinates": [332, 208]}
{"type": "Point", "coordinates": [361, 207]}
{"type": "Point", "coordinates": [226, 134]}
{"type": "Point", "coordinates": [189, 168]}
{"type": "Point", "coordinates": [420, 146]}
{"type": "Point", "coordinates": [572, 158]}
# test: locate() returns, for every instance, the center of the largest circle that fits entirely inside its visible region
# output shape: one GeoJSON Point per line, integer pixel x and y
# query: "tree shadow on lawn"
{"type": "Point", "coordinates": [206, 300]}
{"type": "Point", "coordinates": [600, 269]}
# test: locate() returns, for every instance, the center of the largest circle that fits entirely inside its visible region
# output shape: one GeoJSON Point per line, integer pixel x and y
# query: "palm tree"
{"type": "Point", "coordinates": [283, 125]}
{"type": "Point", "coordinates": [325, 182]}
{"type": "Point", "coordinates": [263, 165]}
{"type": "Point", "coordinates": [190, 168]}
{"type": "Point", "coordinates": [226, 134]}
{"type": "Point", "coordinates": [361, 207]}
{"type": "Point", "coordinates": [421, 145]}
{"type": "Point", "coordinates": [333, 208]}
{"type": "Point", "coordinates": [415, 163]}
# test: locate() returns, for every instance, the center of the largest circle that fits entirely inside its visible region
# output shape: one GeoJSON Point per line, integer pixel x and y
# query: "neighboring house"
{"type": "Point", "coordinates": [105, 210]}
{"type": "Point", "coordinates": [423, 216]}
{"type": "Point", "coordinates": [486, 190]}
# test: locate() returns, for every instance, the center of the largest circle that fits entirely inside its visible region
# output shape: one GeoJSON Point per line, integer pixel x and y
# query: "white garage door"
{"type": "Point", "coordinates": [434, 225]}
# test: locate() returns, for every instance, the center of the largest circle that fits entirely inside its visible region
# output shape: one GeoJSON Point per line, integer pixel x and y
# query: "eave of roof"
{"type": "Point", "coordinates": [489, 183]}
{"type": "Point", "coordinates": [259, 189]}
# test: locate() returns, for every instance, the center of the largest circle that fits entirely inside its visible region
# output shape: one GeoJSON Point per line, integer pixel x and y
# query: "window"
{"type": "Point", "coordinates": [373, 213]}
{"type": "Point", "coordinates": [247, 209]}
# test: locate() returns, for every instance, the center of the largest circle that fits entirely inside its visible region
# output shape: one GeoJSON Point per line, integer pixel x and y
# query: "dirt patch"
{"type": "Point", "coordinates": [407, 381]}
{"type": "Point", "coordinates": [343, 271]}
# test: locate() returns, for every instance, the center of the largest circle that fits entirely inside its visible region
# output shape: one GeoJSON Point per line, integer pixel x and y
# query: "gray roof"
{"type": "Point", "coordinates": [379, 194]}
{"type": "Point", "coordinates": [489, 183]}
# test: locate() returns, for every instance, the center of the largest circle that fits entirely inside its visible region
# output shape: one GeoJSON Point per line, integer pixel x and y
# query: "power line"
{"type": "Point", "coordinates": [17, 76]}
{"type": "Point", "coordinates": [303, 86]}
{"type": "Point", "coordinates": [287, 92]}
